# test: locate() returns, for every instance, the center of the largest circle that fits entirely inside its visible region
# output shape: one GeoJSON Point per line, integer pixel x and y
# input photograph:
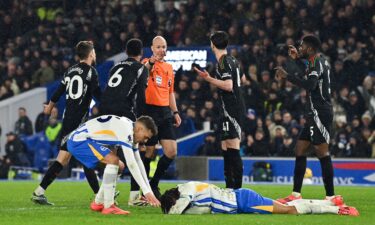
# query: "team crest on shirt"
{"type": "Point", "coordinates": [159, 80]}
{"type": "Point", "coordinates": [130, 138]}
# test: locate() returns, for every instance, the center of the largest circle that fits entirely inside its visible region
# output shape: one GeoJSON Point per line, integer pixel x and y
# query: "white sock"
{"type": "Point", "coordinates": [99, 197]}
{"type": "Point", "coordinates": [311, 201]}
{"type": "Point", "coordinates": [308, 208]}
{"type": "Point", "coordinates": [39, 191]}
{"type": "Point", "coordinates": [134, 195]}
{"type": "Point", "coordinates": [296, 194]}
{"type": "Point", "coordinates": [109, 184]}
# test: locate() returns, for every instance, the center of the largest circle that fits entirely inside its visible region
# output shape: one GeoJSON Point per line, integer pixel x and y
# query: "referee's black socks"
{"type": "Point", "coordinates": [299, 173]}
{"type": "Point", "coordinates": [51, 174]}
{"type": "Point", "coordinates": [327, 174]}
{"type": "Point", "coordinates": [163, 165]}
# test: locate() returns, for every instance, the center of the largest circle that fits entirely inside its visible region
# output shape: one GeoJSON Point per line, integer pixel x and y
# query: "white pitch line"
{"type": "Point", "coordinates": [38, 208]}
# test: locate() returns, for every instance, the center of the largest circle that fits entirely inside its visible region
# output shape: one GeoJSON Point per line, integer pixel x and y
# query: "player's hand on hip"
{"type": "Point", "coordinates": [201, 73]}
{"type": "Point", "coordinates": [177, 120]}
{"type": "Point", "coordinates": [292, 52]}
{"type": "Point", "coordinates": [152, 199]}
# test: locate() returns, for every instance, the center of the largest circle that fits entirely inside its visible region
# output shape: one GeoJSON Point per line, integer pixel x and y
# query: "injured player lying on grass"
{"type": "Point", "coordinates": [202, 198]}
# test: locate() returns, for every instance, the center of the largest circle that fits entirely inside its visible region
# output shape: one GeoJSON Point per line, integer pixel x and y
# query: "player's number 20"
{"type": "Point", "coordinates": [74, 87]}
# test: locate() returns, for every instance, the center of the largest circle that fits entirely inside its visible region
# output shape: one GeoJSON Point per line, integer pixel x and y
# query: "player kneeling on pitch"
{"type": "Point", "coordinates": [91, 144]}
{"type": "Point", "coordinates": [202, 198]}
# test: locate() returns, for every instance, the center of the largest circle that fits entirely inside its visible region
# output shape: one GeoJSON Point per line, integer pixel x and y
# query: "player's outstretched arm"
{"type": "Point", "coordinates": [226, 85]}
{"type": "Point", "coordinates": [141, 167]}
{"type": "Point", "coordinates": [309, 84]}
{"type": "Point", "coordinates": [136, 173]}
{"type": "Point", "coordinates": [152, 199]}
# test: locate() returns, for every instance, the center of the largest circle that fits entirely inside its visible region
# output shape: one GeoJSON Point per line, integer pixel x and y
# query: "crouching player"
{"type": "Point", "coordinates": [201, 198]}
{"type": "Point", "coordinates": [92, 142]}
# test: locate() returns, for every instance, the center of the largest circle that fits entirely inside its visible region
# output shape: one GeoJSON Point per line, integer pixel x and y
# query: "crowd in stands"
{"type": "Point", "coordinates": [37, 40]}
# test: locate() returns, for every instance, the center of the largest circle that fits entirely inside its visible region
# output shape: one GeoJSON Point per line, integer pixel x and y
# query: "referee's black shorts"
{"type": "Point", "coordinates": [164, 121]}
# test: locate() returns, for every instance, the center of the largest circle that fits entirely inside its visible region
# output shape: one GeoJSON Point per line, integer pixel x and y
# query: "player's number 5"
{"type": "Point", "coordinates": [115, 79]}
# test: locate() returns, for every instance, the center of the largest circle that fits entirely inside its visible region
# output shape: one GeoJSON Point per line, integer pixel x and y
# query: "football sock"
{"type": "Point", "coordinates": [296, 194]}
{"type": "Point", "coordinates": [311, 201]}
{"type": "Point", "coordinates": [229, 181]}
{"type": "Point", "coordinates": [51, 174]}
{"type": "Point", "coordinates": [99, 197]}
{"type": "Point", "coordinates": [109, 184]}
{"type": "Point", "coordinates": [134, 195]}
{"type": "Point", "coordinates": [299, 173]}
{"type": "Point", "coordinates": [327, 174]}
{"type": "Point", "coordinates": [92, 179]}
{"type": "Point", "coordinates": [163, 165]}
{"type": "Point", "coordinates": [236, 166]}
{"type": "Point", "coordinates": [39, 191]}
{"type": "Point", "coordinates": [308, 208]}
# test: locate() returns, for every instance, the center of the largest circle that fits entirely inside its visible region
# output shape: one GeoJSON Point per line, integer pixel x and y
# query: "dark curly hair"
{"type": "Point", "coordinates": [168, 199]}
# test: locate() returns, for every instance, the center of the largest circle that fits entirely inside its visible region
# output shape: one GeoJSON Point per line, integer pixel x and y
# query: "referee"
{"type": "Point", "coordinates": [161, 106]}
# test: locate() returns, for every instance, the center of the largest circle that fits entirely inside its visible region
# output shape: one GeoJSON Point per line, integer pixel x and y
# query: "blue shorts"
{"type": "Point", "coordinates": [248, 201]}
{"type": "Point", "coordinates": [88, 152]}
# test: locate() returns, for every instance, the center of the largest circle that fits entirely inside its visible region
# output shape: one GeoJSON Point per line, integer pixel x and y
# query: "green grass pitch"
{"type": "Point", "coordinates": [72, 201]}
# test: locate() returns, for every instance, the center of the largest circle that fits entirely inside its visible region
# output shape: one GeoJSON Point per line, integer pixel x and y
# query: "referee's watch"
{"type": "Point", "coordinates": [175, 112]}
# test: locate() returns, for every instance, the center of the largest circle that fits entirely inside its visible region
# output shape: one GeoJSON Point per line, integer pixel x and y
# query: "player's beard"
{"type": "Point", "coordinates": [93, 62]}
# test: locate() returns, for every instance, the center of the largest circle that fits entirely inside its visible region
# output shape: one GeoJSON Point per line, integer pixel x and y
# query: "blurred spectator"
{"type": "Point", "coordinates": [250, 122]}
{"type": "Point", "coordinates": [53, 130]}
{"type": "Point", "coordinates": [287, 148]}
{"type": "Point", "coordinates": [43, 75]}
{"type": "Point", "coordinates": [277, 139]}
{"type": "Point", "coordinates": [23, 125]}
{"type": "Point", "coordinates": [210, 147]}
{"type": "Point", "coordinates": [15, 150]}
{"type": "Point", "coordinates": [4, 167]}
{"type": "Point", "coordinates": [257, 146]}
{"type": "Point", "coordinates": [40, 121]}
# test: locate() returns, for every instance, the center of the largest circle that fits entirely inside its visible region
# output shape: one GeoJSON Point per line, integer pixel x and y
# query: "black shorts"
{"type": "Point", "coordinates": [317, 128]}
{"type": "Point", "coordinates": [230, 126]}
{"type": "Point", "coordinates": [67, 127]}
{"type": "Point", "coordinates": [164, 122]}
